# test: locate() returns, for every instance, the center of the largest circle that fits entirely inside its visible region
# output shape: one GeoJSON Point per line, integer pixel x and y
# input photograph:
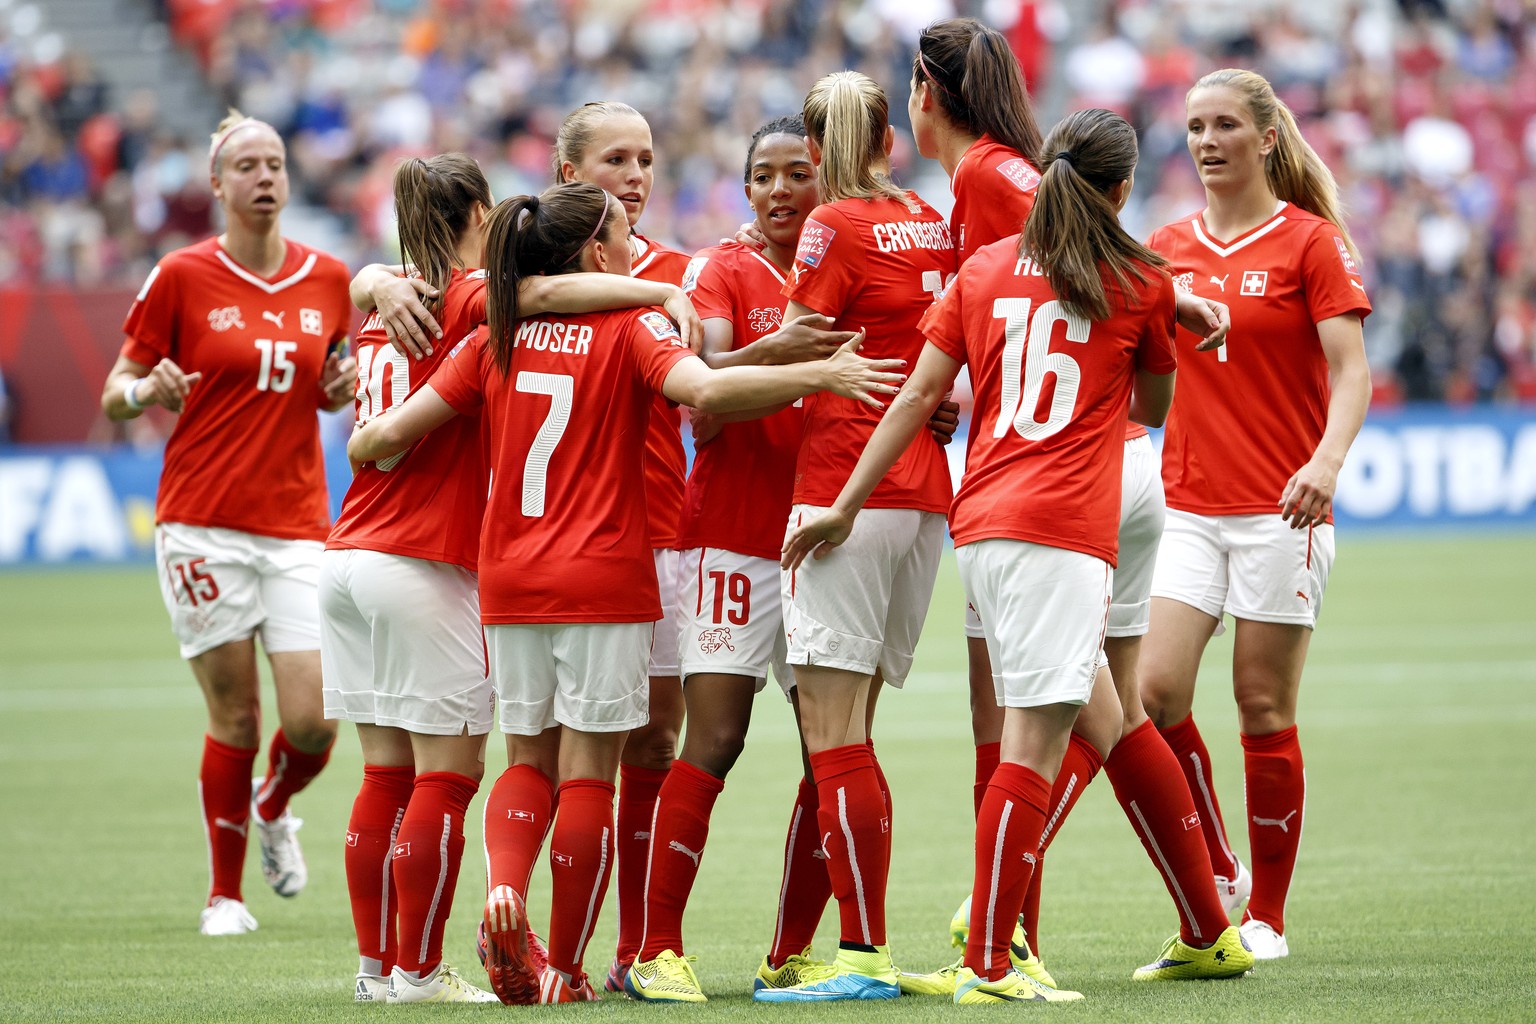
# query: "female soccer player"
{"type": "Point", "coordinates": [1264, 428]}
{"type": "Point", "coordinates": [567, 582]}
{"type": "Point", "coordinates": [872, 256]}
{"type": "Point", "coordinates": [244, 335]}
{"type": "Point", "coordinates": [1074, 310]}
{"type": "Point", "coordinates": [609, 145]}
{"type": "Point", "coordinates": [737, 500]}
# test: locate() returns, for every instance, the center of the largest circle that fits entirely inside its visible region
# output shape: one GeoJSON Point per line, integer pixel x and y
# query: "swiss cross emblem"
{"type": "Point", "coordinates": [1254, 282]}
{"type": "Point", "coordinates": [309, 321]}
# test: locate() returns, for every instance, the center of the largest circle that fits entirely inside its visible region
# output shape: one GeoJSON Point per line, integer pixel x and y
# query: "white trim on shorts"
{"type": "Point", "coordinates": [747, 637]}
{"type": "Point", "coordinates": [220, 586]}
{"type": "Point", "coordinates": [588, 676]}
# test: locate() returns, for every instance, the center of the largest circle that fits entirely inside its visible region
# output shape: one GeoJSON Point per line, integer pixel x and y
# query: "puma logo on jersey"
{"type": "Point", "coordinates": [1304, 597]}
{"type": "Point", "coordinates": [1357, 284]}
{"type": "Point", "coordinates": [276, 318]}
{"type": "Point", "coordinates": [1220, 282]}
{"type": "Point", "coordinates": [680, 848]}
{"type": "Point", "coordinates": [711, 640]}
{"type": "Point", "coordinates": [1282, 823]}
{"type": "Point", "coordinates": [233, 826]}
{"type": "Point", "coordinates": [224, 318]}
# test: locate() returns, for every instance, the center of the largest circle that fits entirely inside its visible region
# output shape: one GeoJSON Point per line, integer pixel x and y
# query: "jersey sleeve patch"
{"type": "Point", "coordinates": [660, 327]}
{"type": "Point", "coordinates": [815, 239]}
{"type": "Point", "coordinates": [1018, 171]}
{"type": "Point", "coordinates": [691, 275]}
{"type": "Point", "coordinates": [1350, 266]}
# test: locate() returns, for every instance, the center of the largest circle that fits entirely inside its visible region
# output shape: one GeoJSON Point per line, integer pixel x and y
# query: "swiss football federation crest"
{"type": "Point", "coordinates": [765, 319]}
{"type": "Point", "coordinates": [711, 640]}
{"type": "Point", "coordinates": [815, 237]}
{"type": "Point", "coordinates": [310, 321]}
{"type": "Point", "coordinates": [224, 318]}
{"type": "Point", "coordinates": [1254, 282]}
{"type": "Point", "coordinates": [1185, 282]}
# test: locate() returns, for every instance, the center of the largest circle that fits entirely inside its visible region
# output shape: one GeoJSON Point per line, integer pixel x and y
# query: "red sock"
{"type": "Point", "coordinates": [581, 853]}
{"type": "Point", "coordinates": [289, 770]}
{"type": "Point", "coordinates": [678, 833]}
{"type": "Point", "coordinates": [376, 815]}
{"type": "Point", "coordinates": [428, 850]}
{"type": "Point", "coordinates": [885, 793]}
{"type": "Point", "coordinates": [1078, 767]}
{"type": "Point", "coordinates": [518, 813]}
{"type": "Point", "coordinates": [224, 791]}
{"type": "Point", "coordinates": [1195, 762]}
{"type": "Point", "coordinates": [856, 838]}
{"type": "Point", "coordinates": [987, 755]}
{"type": "Point", "coordinates": [806, 888]}
{"type": "Point", "coordinates": [1007, 836]}
{"type": "Point", "coordinates": [1276, 787]}
{"type": "Point", "coordinates": [1156, 800]}
{"type": "Point", "coordinates": [638, 789]}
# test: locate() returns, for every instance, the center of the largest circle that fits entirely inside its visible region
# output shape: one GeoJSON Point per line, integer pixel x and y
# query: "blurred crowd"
{"type": "Point", "coordinates": [1426, 111]}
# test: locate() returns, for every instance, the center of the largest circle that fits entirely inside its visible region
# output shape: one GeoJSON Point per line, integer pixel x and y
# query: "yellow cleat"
{"type": "Point", "coordinates": [939, 983]}
{"type": "Point", "coordinates": [798, 969]}
{"type": "Point", "coordinates": [1014, 987]}
{"type": "Point", "coordinates": [1018, 947]}
{"type": "Point", "coordinates": [668, 978]}
{"type": "Point", "coordinates": [1227, 957]}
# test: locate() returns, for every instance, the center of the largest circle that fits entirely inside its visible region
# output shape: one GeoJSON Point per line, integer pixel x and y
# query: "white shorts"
{"type": "Point", "coordinates": [401, 645]}
{"type": "Point", "coordinates": [588, 676]}
{"type": "Point", "coordinates": [1252, 567]}
{"type": "Point", "coordinates": [733, 621]}
{"type": "Point", "coordinates": [862, 607]}
{"type": "Point", "coordinates": [669, 627]}
{"type": "Point", "coordinates": [1141, 527]}
{"type": "Point", "coordinates": [226, 585]}
{"type": "Point", "coordinates": [1045, 610]}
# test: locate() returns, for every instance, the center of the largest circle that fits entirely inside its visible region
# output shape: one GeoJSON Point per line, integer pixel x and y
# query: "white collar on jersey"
{"type": "Point", "coordinates": [270, 287]}
{"type": "Point", "coordinates": [1200, 236]}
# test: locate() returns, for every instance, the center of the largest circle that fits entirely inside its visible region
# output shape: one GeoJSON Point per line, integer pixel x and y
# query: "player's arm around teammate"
{"type": "Point", "coordinates": [1261, 431]}
{"type": "Point", "coordinates": [244, 336]}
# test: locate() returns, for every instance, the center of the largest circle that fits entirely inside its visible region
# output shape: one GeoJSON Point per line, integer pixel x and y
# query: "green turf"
{"type": "Point", "coordinates": [1415, 896]}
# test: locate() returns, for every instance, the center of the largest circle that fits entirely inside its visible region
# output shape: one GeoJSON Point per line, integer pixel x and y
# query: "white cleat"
{"type": "Point", "coordinates": [1264, 941]}
{"type": "Point", "coordinates": [371, 989]}
{"type": "Point", "coordinates": [443, 986]}
{"type": "Point", "coordinates": [282, 862]}
{"type": "Point", "coordinates": [225, 916]}
{"type": "Point", "coordinates": [1234, 892]}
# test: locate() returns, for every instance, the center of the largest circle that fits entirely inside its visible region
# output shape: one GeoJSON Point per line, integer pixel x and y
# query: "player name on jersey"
{"type": "Point", "coordinates": [553, 336]}
{"type": "Point", "coordinates": [899, 236]}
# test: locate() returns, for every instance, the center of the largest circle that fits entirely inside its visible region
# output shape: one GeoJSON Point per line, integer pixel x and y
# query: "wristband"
{"type": "Point", "coordinates": [130, 396]}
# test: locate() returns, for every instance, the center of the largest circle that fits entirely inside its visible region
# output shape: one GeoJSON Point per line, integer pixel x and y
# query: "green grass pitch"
{"type": "Point", "coordinates": [1414, 900]}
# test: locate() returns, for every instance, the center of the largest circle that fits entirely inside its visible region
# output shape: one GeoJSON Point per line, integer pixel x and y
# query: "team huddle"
{"type": "Point", "coordinates": [523, 540]}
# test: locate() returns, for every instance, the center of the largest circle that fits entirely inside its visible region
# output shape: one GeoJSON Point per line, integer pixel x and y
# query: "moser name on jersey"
{"type": "Point", "coordinates": [553, 336]}
{"type": "Point", "coordinates": [899, 236]}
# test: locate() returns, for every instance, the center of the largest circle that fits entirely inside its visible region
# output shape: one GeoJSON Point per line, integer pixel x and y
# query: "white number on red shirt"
{"type": "Point", "coordinates": [276, 372]}
{"type": "Point", "coordinates": [560, 388]}
{"type": "Point", "coordinates": [374, 362]}
{"type": "Point", "coordinates": [936, 284]}
{"type": "Point", "coordinates": [1028, 342]}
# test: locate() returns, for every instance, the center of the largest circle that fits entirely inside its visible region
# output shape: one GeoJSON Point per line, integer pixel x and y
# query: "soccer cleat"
{"type": "Point", "coordinates": [1264, 941]}
{"type": "Point", "coordinates": [616, 971]}
{"type": "Point", "coordinates": [441, 986]}
{"type": "Point", "coordinates": [371, 989]}
{"type": "Point", "coordinates": [1019, 951]}
{"type": "Point", "coordinates": [938, 983]}
{"type": "Point", "coordinates": [1234, 892]}
{"type": "Point", "coordinates": [553, 988]}
{"type": "Point", "coordinates": [537, 951]}
{"type": "Point", "coordinates": [1013, 987]}
{"type": "Point", "coordinates": [1227, 957]}
{"type": "Point", "coordinates": [225, 916]}
{"type": "Point", "coordinates": [854, 975]}
{"type": "Point", "coordinates": [282, 862]}
{"type": "Point", "coordinates": [797, 969]}
{"type": "Point", "coordinates": [508, 955]}
{"type": "Point", "coordinates": [668, 978]}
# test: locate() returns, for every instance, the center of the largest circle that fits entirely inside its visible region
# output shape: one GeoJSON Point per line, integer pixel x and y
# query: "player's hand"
{"type": "Point", "coordinates": [680, 308]}
{"type": "Point", "coordinates": [1206, 317]}
{"type": "Point", "coordinates": [408, 323]}
{"type": "Point", "coordinates": [705, 426]}
{"type": "Point", "coordinates": [338, 379]}
{"type": "Point", "coordinates": [1308, 496]}
{"type": "Point", "coordinates": [806, 337]}
{"type": "Point", "coordinates": [166, 385]}
{"type": "Point", "coordinates": [852, 376]}
{"type": "Point", "coordinates": [945, 421]}
{"type": "Point", "coordinates": [816, 537]}
{"type": "Point", "coordinates": [749, 235]}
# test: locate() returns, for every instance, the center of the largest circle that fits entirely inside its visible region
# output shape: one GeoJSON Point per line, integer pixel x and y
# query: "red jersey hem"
{"type": "Point", "coordinates": [343, 544]}
{"type": "Point", "coordinates": [1197, 509]}
{"type": "Point", "coordinates": [1110, 556]}
{"type": "Point", "coordinates": [318, 535]}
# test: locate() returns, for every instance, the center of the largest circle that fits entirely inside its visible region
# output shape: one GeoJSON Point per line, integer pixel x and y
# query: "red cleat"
{"type": "Point", "coordinates": [508, 954]}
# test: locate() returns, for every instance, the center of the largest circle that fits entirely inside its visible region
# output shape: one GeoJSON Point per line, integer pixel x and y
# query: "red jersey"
{"type": "Point", "coordinates": [1052, 392]}
{"type": "Point", "coordinates": [564, 536]}
{"type": "Point", "coordinates": [426, 502]}
{"type": "Point", "coordinates": [666, 464]}
{"type": "Point", "coordinates": [245, 451]}
{"type": "Point", "coordinates": [742, 483]}
{"type": "Point", "coordinates": [875, 264]}
{"type": "Point", "coordinates": [1252, 413]}
{"type": "Point", "coordinates": [994, 187]}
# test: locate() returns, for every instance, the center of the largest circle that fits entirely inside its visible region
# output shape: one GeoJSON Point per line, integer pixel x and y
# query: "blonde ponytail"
{"type": "Point", "coordinates": [846, 114]}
